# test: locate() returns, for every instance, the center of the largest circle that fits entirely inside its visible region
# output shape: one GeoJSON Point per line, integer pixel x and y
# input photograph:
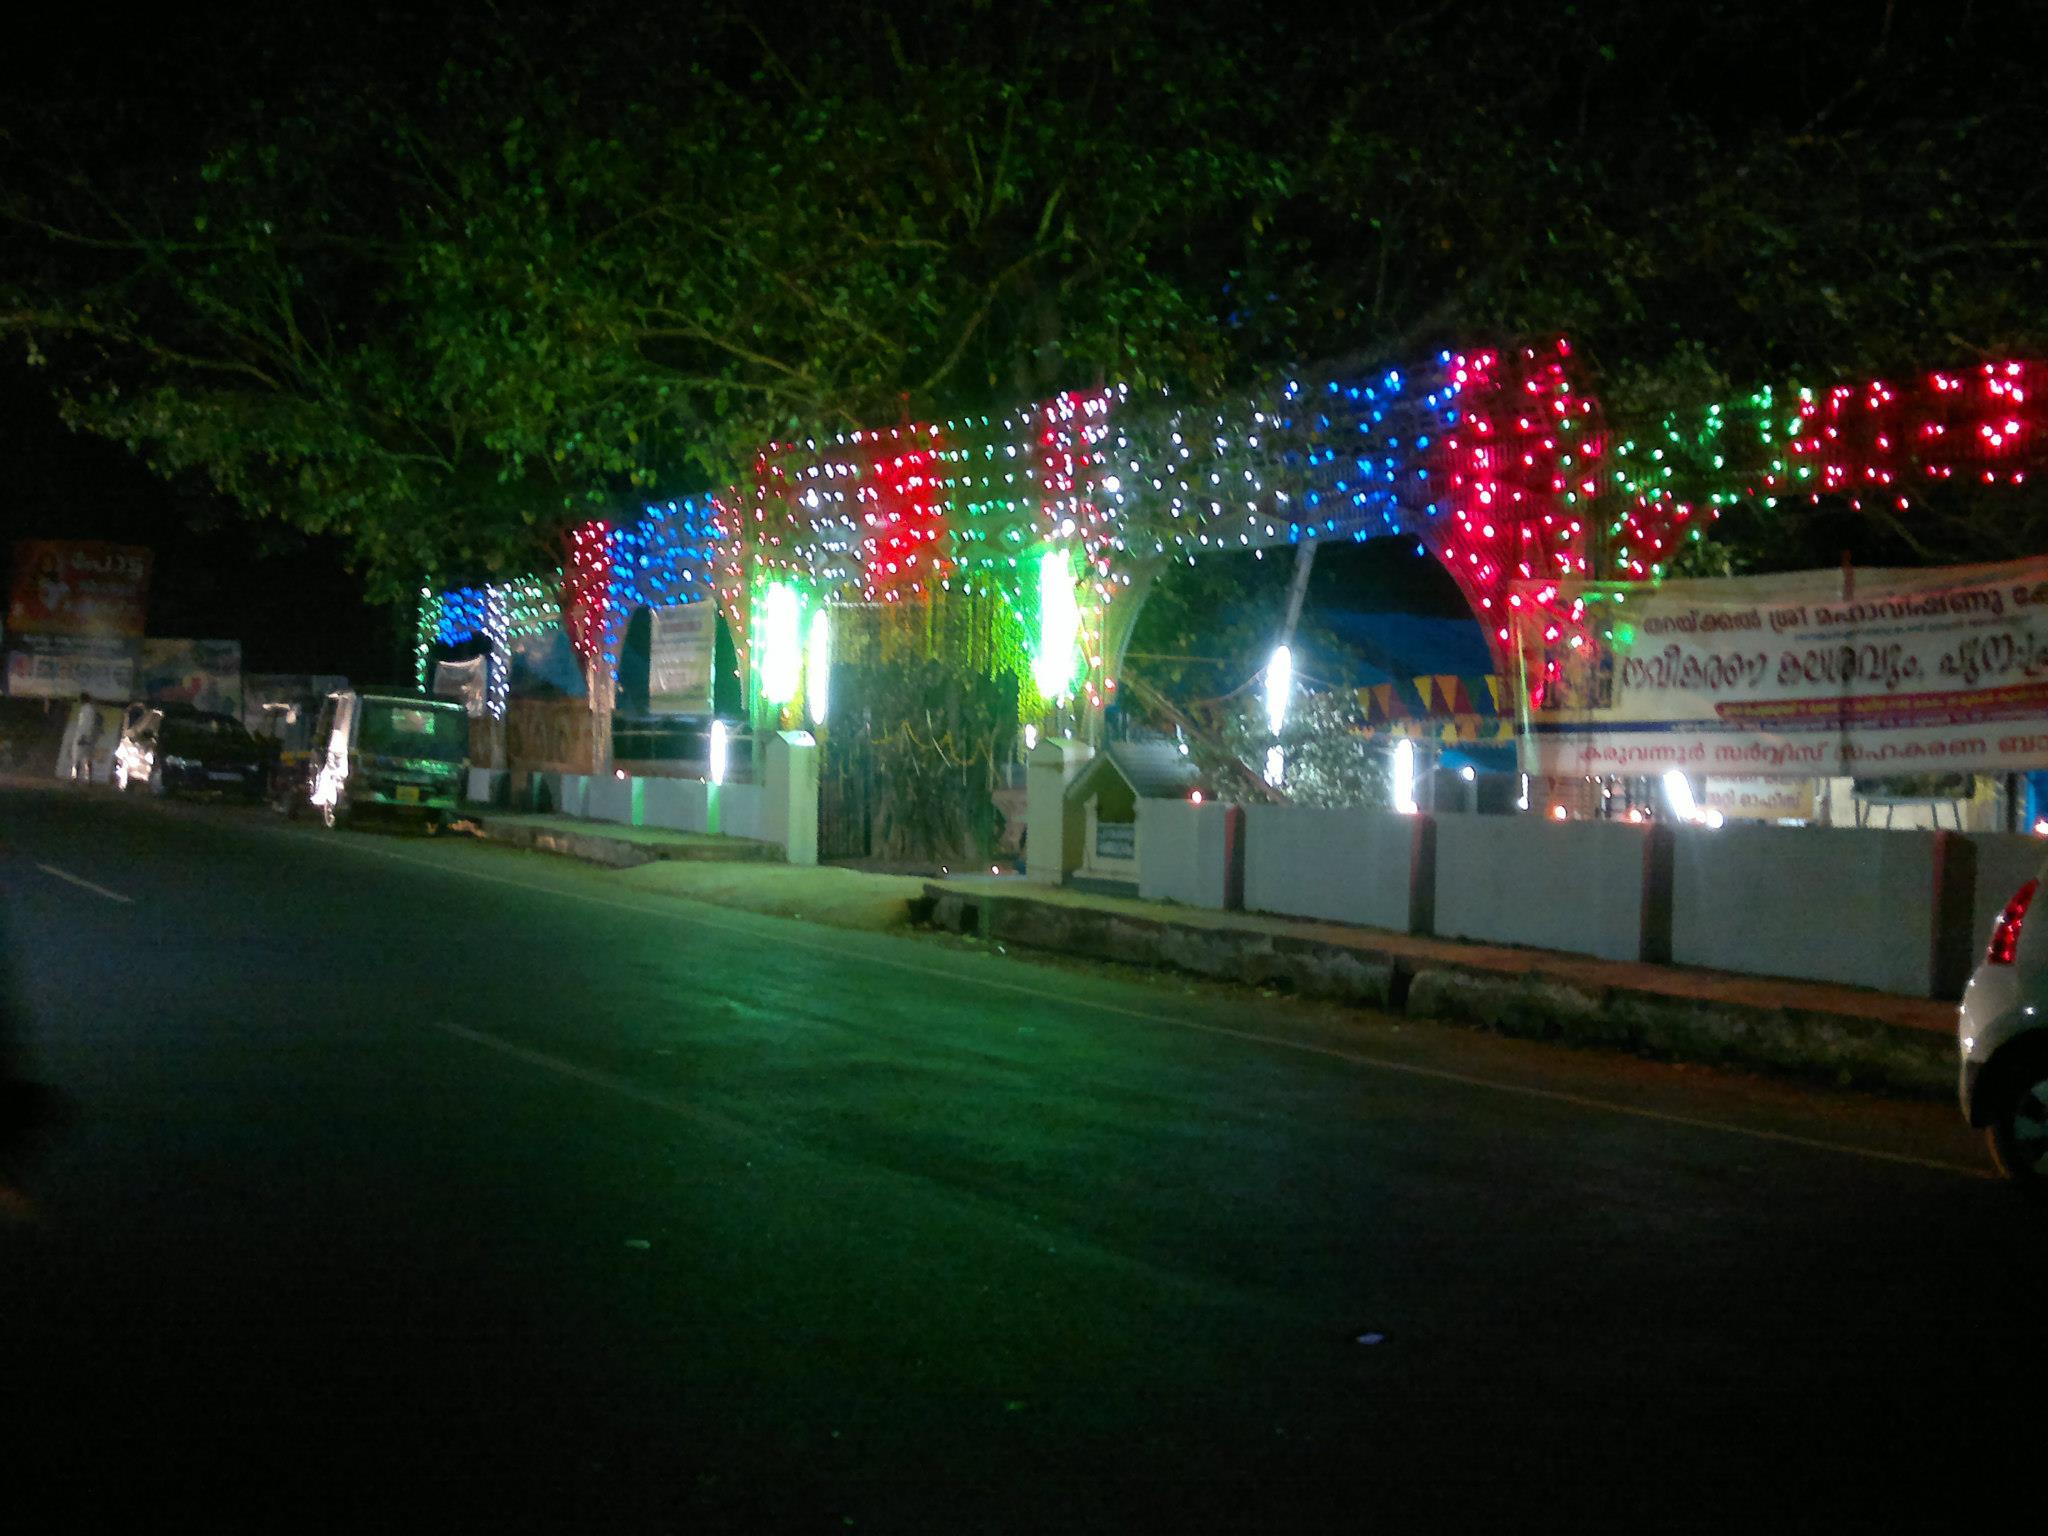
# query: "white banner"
{"type": "Point", "coordinates": [464, 680]}
{"type": "Point", "coordinates": [1937, 671]}
{"type": "Point", "coordinates": [1758, 799]}
{"type": "Point", "coordinates": [682, 645]}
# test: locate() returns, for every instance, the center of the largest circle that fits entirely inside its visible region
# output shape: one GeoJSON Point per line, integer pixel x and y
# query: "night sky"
{"type": "Point", "coordinates": [162, 74]}
{"type": "Point", "coordinates": [288, 598]}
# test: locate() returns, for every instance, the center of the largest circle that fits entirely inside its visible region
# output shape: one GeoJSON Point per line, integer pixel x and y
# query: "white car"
{"type": "Point", "coordinates": [2003, 1032]}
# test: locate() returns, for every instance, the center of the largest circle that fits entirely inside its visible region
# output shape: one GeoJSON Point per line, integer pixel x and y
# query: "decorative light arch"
{"type": "Point", "coordinates": [1498, 462]}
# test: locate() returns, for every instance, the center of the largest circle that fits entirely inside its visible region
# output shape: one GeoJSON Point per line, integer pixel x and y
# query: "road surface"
{"type": "Point", "coordinates": [426, 1185]}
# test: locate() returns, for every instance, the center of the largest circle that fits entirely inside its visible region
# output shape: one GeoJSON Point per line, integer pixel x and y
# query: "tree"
{"type": "Point", "coordinates": [446, 309]}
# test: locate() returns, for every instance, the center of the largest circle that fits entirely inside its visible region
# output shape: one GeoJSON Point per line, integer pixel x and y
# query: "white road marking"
{"type": "Point", "coordinates": [1255, 1037]}
{"type": "Point", "coordinates": [610, 1081]}
{"type": "Point", "coordinates": [97, 890]}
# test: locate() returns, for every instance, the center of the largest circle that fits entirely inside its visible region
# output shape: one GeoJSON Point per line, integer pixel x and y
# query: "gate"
{"type": "Point", "coordinates": [846, 788]}
{"type": "Point", "coordinates": [911, 761]}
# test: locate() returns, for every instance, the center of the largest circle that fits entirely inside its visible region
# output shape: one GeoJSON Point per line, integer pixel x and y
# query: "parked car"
{"type": "Point", "coordinates": [2003, 1032]}
{"type": "Point", "coordinates": [392, 753]}
{"type": "Point", "coordinates": [179, 750]}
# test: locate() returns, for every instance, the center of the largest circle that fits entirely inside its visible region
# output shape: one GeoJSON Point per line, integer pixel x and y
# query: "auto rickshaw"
{"type": "Point", "coordinates": [391, 753]}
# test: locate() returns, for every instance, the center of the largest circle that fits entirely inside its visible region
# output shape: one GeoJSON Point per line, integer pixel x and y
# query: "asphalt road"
{"type": "Point", "coordinates": [423, 1185]}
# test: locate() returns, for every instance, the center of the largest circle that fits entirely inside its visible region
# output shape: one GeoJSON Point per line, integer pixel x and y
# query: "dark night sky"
{"type": "Point", "coordinates": [287, 598]}
{"type": "Point", "coordinates": [165, 71]}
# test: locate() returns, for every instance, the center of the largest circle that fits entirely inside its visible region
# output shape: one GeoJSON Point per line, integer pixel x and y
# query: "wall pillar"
{"type": "Point", "coordinates": [1052, 838]}
{"type": "Point", "coordinates": [789, 781]}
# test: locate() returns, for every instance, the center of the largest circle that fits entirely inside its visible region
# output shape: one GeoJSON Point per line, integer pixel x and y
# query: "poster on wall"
{"type": "Point", "coordinates": [683, 643]}
{"type": "Point", "coordinates": [1914, 672]}
{"type": "Point", "coordinates": [206, 674]}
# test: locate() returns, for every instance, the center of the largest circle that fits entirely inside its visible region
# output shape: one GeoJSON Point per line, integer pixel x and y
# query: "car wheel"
{"type": "Point", "coordinates": [2018, 1133]}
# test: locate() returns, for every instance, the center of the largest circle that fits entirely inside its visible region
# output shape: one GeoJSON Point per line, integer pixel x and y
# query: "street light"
{"type": "Point", "coordinates": [1404, 777]}
{"type": "Point", "coordinates": [1279, 684]}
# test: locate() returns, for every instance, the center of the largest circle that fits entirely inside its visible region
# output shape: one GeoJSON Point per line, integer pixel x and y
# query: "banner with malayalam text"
{"type": "Point", "coordinates": [1784, 677]}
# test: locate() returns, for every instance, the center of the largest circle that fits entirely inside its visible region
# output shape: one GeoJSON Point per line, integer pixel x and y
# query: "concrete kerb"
{"type": "Point", "coordinates": [599, 845]}
{"type": "Point", "coordinates": [1540, 997]}
{"type": "Point", "coordinates": [1532, 1002]}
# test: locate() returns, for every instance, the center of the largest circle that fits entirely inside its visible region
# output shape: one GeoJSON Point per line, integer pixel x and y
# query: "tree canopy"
{"type": "Point", "coordinates": [445, 293]}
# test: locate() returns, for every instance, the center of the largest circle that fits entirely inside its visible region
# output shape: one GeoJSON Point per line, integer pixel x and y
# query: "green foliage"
{"type": "Point", "coordinates": [1327, 762]}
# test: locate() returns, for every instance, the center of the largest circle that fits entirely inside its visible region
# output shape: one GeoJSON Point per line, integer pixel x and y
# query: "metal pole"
{"type": "Point", "coordinates": [1297, 589]}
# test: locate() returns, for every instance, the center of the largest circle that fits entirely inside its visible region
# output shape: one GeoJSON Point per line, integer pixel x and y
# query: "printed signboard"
{"type": "Point", "coordinates": [70, 666]}
{"type": "Point", "coordinates": [64, 587]}
{"type": "Point", "coordinates": [207, 674]}
{"type": "Point", "coordinates": [1783, 677]}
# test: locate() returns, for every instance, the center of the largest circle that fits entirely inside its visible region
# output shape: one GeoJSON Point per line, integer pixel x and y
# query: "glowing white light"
{"type": "Point", "coordinates": [781, 647]}
{"type": "Point", "coordinates": [1522, 802]}
{"type": "Point", "coordinates": [1468, 773]}
{"type": "Point", "coordinates": [1030, 737]}
{"type": "Point", "coordinates": [1678, 790]}
{"type": "Point", "coordinates": [1276, 765]}
{"type": "Point", "coordinates": [1059, 626]}
{"type": "Point", "coordinates": [1279, 684]}
{"type": "Point", "coordinates": [818, 667]}
{"type": "Point", "coordinates": [718, 751]}
{"type": "Point", "coordinates": [1195, 797]}
{"type": "Point", "coordinates": [1404, 777]}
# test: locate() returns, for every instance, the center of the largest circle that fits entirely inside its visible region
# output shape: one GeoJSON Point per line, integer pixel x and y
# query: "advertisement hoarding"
{"type": "Point", "coordinates": [1784, 677]}
{"type": "Point", "coordinates": [75, 611]}
{"type": "Point", "coordinates": [207, 674]}
{"type": "Point", "coordinates": [70, 666]}
{"type": "Point", "coordinates": [69, 587]}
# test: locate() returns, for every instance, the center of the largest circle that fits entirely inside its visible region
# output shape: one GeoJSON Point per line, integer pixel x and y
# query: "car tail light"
{"type": "Point", "coordinates": [2005, 933]}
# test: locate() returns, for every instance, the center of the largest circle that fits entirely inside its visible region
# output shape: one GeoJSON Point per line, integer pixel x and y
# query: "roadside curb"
{"type": "Point", "coordinates": [1532, 999]}
{"type": "Point", "coordinates": [596, 847]}
{"type": "Point", "coordinates": [1526, 993]}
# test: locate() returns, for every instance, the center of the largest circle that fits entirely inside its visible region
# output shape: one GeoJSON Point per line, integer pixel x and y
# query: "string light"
{"type": "Point", "coordinates": [1496, 462]}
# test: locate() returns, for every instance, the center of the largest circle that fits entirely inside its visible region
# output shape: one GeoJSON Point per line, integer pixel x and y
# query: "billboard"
{"type": "Point", "coordinates": [75, 611]}
{"type": "Point", "coordinates": [1913, 672]}
{"type": "Point", "coordinates": [207, 674]}
{"type": "Point", "coordinates": [70, 667]}
{"type": "Point", "coordinates": [68, 587]}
